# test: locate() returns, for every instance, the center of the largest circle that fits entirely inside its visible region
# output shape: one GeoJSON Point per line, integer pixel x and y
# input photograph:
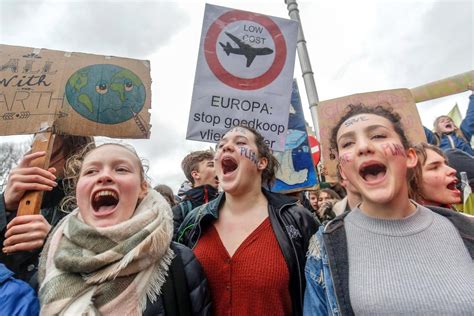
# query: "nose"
{"type": "Point", "coordinates": [105, 177]}
{"type": "Point", "coordinates": [228, 146]}
{"type": "Point", "coordinates": [450, 171]}
{"type": "Point", "coordinates": [364, 146]}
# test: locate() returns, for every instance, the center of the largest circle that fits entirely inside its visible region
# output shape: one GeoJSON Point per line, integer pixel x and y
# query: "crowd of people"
{"type": "Point", "coordinates": [386, 239]}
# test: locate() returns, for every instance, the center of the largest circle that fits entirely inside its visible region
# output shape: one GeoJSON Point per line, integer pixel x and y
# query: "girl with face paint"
{"type": "Point", "coordinates": [250, 241]}
{"type": "Point", "coordinates": [389, 255]}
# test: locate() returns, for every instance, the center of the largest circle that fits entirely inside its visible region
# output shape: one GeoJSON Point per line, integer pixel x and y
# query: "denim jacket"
{"type": "Point", "coordinates": [327, 268]}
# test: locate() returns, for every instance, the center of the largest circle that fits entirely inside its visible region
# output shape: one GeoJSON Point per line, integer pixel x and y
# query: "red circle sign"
{"type": "Point", "coordinates": [315, 152]}
{"type": "Point", "coordinates": [229, 79]}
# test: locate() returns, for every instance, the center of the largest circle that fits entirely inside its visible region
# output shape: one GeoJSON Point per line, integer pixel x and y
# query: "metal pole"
{"type": "Point", "coordinates": [308, 77]}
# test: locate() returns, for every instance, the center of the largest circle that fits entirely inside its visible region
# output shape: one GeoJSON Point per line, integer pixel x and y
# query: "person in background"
{"type": "Point", "coordinates": [198, 167]}
{"type": "Point", "coordinates": [113, 254]}
{"type": "Point", "coordinates": [447, 135]}
{"type": "Point", "coordinates": [324, 199]}
{"type": "Point", "coordinates": [22, 237]}
{"type": "Point", "coordinates": [351, 200]}
{"type": "Point", "coordinates": [167, 193]}
{"type": "Point", "coordinates": [434, 181]}
{"type": "Point", "coordinates": [251, 242]}
{"type": "Point", "coordinates": [389, 255]}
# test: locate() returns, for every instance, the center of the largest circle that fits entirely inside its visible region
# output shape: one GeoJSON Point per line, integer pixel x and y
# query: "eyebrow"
{"type": "Point", "coordinates": [438, 162]}
{"type": "Point", "coordinates": [116, 162]}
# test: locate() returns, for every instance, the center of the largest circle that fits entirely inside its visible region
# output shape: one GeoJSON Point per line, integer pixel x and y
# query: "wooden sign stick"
{"type": "Point", "coordinates": [31, 202]}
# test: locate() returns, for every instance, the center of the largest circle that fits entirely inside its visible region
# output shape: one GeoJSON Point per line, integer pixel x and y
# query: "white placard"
{"type": "Point", "coordinates": [243, 75]}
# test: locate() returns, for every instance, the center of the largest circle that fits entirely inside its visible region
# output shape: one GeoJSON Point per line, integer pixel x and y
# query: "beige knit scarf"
{"type": "Point", "coordinates": [107, 271]}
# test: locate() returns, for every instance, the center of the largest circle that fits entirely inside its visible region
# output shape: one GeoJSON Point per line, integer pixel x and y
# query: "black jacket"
{"type": "Point", "coordinates": [25, 264]}
{"type": "Point", "coordinates": [192, 198]}
{"type": "Point", "coordinates": [293, 226]}
{"type": "Point", "coordinates": [182, 293]}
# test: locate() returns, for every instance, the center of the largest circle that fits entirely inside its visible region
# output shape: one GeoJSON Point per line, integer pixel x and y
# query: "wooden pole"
{"type": "Point", "coordinates": [31, 202]}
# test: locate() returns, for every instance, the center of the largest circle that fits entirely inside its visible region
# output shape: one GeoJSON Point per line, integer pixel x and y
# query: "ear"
{"type": "Point", "coordinates": [143, 190]}
{"type": "Point", "coordinates": [343, 176]}
{"type": "Point", "coordinates": [412, 158]}
{"type": "Point", "coordinates": [262, 163]}
{"type": "Point", "coordinates": [195, 175]}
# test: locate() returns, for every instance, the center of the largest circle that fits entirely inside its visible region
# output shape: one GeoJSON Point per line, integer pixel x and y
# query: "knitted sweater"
{"type": "Point", "coordinates": [415, 265]}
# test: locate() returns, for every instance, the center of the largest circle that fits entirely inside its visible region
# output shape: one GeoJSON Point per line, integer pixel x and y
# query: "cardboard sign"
{"type": "Point", "coordinates": [74, 93]}
{"type": "Point", "coordinates": [443, 87]}
{"type": "Point", "coordinates": [243, 75]}
{"type": "Point", "coordinates": [330, 111]}
{"type": "Point", "coordinates": [297, 170]}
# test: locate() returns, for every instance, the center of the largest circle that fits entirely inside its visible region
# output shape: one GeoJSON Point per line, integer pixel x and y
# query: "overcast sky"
{"type": "Point", "coordinates": [354, 46]}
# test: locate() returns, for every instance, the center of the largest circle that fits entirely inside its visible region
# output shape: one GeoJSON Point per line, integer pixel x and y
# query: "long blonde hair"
{"type": "Point", "coordinates": [438, 134]}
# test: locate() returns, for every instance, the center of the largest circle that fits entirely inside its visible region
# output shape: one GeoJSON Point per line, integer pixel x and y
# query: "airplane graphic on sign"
{"type": "Point", "coordinates": [244, 49]}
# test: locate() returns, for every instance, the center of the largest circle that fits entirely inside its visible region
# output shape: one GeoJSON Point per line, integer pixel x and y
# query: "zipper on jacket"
{"type": "Point", "coordinates": [451, 141]}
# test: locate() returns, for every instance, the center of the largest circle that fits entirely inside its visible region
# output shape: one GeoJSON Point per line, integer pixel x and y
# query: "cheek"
{"type": "Point", "coordinates": [432, 179]}
{"type": "Point", "coordinates": [81, 189]}
{"type": "Point", "coordinates": [249, 154]}
{"type": "Point", "coordinates": [346, 158]}
{"type": "Point", "coordinates": [393, 150]}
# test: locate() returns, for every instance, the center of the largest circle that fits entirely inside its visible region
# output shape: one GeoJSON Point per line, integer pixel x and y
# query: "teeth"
{"type": "Point", "coordinates": [106, 193]}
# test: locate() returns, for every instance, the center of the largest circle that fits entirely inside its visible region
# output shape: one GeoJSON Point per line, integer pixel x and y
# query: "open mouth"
{"type": "Point", "coordinates": [228, 165]}
{"type": "Point", "coordinates": [104, 201]}
{"type": "Point", "coordinates": [452, 185]}
{"type": "Point", "coordinates": [372, 172]}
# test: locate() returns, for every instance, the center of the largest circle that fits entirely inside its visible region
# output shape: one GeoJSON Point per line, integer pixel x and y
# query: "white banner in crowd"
{"type": "Point", "coordinates": [243, 75]}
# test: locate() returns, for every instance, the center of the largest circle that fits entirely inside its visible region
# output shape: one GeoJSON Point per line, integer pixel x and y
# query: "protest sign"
{"type": "Point", "coordinates": [297, 170]}
{"type": "Point", "coordinates": [243, 75]}
{"type": "Point", "coordinates": [73, 93]}
{"type": "Point", "coordinates": [330, 111]}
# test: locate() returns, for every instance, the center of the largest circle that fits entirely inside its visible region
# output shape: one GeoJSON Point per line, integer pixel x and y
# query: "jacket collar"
{"type": "Point", "coordinates": [201, 194]}
{"type": "Point", "coordinates": [274, 199]}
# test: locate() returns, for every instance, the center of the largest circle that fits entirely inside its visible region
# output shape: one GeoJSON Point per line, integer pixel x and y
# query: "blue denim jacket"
{"type": "Point", "coordinates": [319, 296]}
{"type": "Point", "coordinates": [327, 268]}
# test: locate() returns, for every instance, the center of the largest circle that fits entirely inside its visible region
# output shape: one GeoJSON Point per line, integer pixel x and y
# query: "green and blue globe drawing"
{"type": "Point", "coordinates": [106, 94]}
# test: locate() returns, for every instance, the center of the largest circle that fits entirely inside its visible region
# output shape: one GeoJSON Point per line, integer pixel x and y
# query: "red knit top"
{"type": "Point", "coordinates": [255, 281]}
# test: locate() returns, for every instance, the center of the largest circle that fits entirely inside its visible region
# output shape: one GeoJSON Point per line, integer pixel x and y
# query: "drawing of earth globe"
{"type": "Point", "coordinates": [106, 94]}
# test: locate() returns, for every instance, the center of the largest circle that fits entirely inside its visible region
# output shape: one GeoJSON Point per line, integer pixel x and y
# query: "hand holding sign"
{"type": "Point", "coordinates": [26, 183]}
{"type": "Point", "coordinates": [26, 233]}
{"type": "Point", "coordinates": [27, 178]}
